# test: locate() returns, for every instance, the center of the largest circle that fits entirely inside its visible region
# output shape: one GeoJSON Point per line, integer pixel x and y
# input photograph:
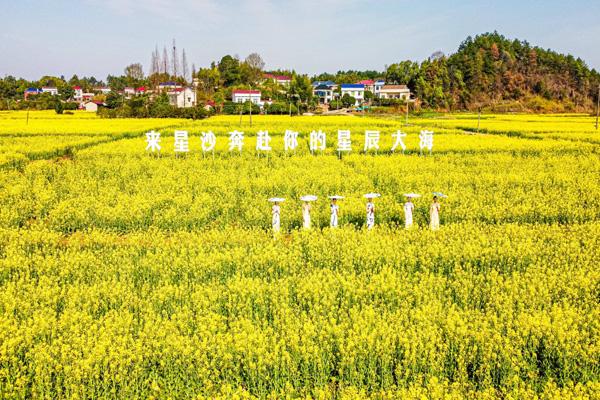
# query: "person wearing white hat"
{"type": "Point", "coordinates": [434, 214]}
{"type": "Point", "coordinates": [335, 209]}
{"type": "Point", "coordinates": [370, 214]}
{"type": "Point", "coordinates": [276, 211]}
{"type": "Point", "coordinates": [306, 214]}
{"type": "Point", "coordinates": [408, 213]}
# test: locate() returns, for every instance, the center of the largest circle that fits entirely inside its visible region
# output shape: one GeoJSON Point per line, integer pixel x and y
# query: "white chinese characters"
{"type": "Point", "coordinates": [371, 140]}
{"type": "Point", "coordinates": [263, 141]}
{"type": "Point", "coordinates": [181, 142]}
{"type": "Point", "coordinates": [236, 140]}
{"type": "Point", "coordinates": [153, 141]}
{"type": "Point", "coordinates": [317, 141]}
{"type": "Point", "coordinates": [290, 140]}
{"type": "Point", "coordinates": [209, 141]}
{"type": "Point", "coordinates": [426, 141]}
{"type": "Point", "coordinates": [344, 141]}
{"type": "Point", "coordinates": [399, 136]}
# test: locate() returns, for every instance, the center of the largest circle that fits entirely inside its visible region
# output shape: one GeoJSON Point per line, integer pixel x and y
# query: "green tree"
{"type": "Point", "coordinates": [347, 100]}
{"type": "Point", "coordinates": [208, 81]}
{"type": "Point", "coordinates": [58, 107]}
{"type": "Point", "coordinates": [403, 73]}
{"type": "Point", "coordinates": [229, 69]}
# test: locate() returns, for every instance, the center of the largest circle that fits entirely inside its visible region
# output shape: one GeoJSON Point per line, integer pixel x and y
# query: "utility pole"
{"type": "Point", "coordinates": [407, 100]}
{"type": "Point", "coordinates": [251, 110]}
{"type": "Point", "coordinates": [478, 119]}
{"type": "Point", "coordinates": [175, 60]}
{"type": "Point", "coordinates": [597, 107]}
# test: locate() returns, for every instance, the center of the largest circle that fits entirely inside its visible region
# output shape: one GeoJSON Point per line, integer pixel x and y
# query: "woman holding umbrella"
{"type": "Point", "coordinates": [371, 209]}
{"type": "Point", "coordinates": [335, 210]}
{"type": "Point", "coordinates": [306, 207]}
{"type": "Point", "coordinates": [276, 213]}
{"type": "Point", "coordinates": [434, 211]}
{"type": "Point", "coordinates": [409, 207]}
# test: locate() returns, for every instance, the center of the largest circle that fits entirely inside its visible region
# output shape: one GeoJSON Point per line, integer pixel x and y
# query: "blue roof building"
{"type": "Point", "coordinates": [356, 90]}
{"type": "Point", "coordinates": [353, 86]}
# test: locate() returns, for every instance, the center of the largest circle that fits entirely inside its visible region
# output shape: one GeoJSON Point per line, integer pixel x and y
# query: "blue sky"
{"type": "Point", "coordinates": [100, 37]}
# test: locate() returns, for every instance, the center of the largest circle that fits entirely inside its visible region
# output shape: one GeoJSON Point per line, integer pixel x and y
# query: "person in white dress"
{"type": "Point", "coordinates": [434, 214]}
{"type": "Point", "coordinates": [276, 210]}
{"type": "Point", "coordinates": [335, 209]}
{"type": "Point", "coordinates": [306, 214]}
{"type": "Point", "coordinates": [408, 213]}
{"type": "Point", "coordinates": [370, 214]}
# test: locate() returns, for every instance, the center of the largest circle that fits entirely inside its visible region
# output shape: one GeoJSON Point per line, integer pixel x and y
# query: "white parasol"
{"type": "Point", "coordinates": [309, 197]}
{"type": "Point", "coordinates": [336, 197]}
{"type": "Point", "coordinates": [276, 199]}
{"type": "Point", "coordinates": [371, 195]}
{"type": "Point", "coordinates": [412, 195]}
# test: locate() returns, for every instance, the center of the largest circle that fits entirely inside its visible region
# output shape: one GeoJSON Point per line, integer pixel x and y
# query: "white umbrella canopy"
{"type": "Point", "coordinates": [276, 199]}
{"type": "Point", "coordinates": [336, 197]}
{"type": "Point", "coordinates": [440, 195]}
{"type": "Point", "coordinates": [412, 195]}
{"type": "Point", "coordinates": [371, 195]}
{"type": "Point", "coordinates": [309, 197]}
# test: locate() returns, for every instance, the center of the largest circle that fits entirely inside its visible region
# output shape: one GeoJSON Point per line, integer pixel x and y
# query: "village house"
{"type": "Point", "coordinates": [394, 92]}
{"type": "Point", "coordinates": [51, 90]}
{"type": "Point", "coordinates": [77, 93]}
{"type": "Point", "coordinates": [355, 90]}
{"type": "Point", "coordinates": [31, 92]}
{"type": "Point", "coordinates": [87, 96]}
{"type": "Point", "coordinates": [332, 84]}
{"type": "Point", "coordinates": [130, 92]}
{"type": "Point", "coordinates": [280, 79]}
{"type": "Point", "coordinates": [91, 106]}
{"type": "Point", "coordinates": [169, 86]}
{"type": "Point", "coordinates": [242, 96]}
{"type": "Point", "coordinates": [182, 97]}
{"type": "Point", "coordinates": [102, 90]}
{"type": "Point", "coordinates": [377, 87]}
{"type": "Point", "coordinates": [369, 85]}
{"type": "Point", "coordinates": [324, 93]}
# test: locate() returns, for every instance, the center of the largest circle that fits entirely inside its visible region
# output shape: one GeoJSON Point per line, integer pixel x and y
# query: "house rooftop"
{"type": "Point", "coordinates": [242, 91]}
{"type": "Point", "coordinates": [277, 77]}
{"type": "Point", "coordinates": [353, 86]}
{"type": "Point", "coordinates": [327, 83]}
{"type": "Point", "coordinates": [394, 87]}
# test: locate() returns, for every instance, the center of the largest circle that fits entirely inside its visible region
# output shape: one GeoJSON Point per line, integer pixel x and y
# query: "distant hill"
{"type": "Point", "coordinates": [493, 72]}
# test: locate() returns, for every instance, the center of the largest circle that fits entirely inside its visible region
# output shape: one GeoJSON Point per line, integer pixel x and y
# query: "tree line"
{"type": "Point", "coordinates": [487, 71]}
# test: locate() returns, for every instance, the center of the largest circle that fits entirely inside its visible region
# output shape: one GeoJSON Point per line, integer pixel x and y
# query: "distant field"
{"type": "Point", "coordinates": [127, 275]}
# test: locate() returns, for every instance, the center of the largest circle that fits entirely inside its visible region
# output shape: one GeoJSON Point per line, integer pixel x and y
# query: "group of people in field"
{"type": "Point", "coordinates": [409, 207]}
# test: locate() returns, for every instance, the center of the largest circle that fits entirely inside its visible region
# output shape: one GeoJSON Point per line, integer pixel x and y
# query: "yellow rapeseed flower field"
{"type": "Point", "coordinates": [125, 274]}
